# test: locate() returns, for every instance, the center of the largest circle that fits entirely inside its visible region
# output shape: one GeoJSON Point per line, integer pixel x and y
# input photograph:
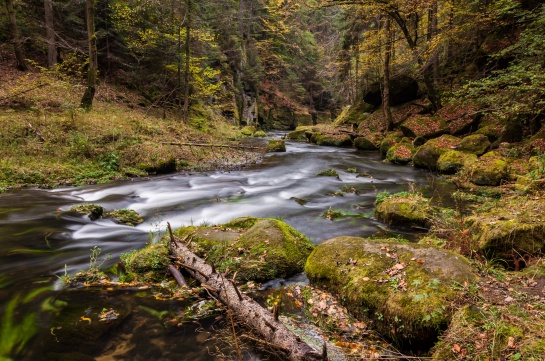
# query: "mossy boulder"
{"type": "Point", "coordinates": [405, 210]}
{"type": "Point", "coordinates": [257, 249]}
{"type": "Point", "coordinates": [125, 216]}
{"type": "Point", "coordinates": [401, 153]}
{"type": "Point", "coordinates": [93, 211]}
{"type": "Point", "coordinates": [297, 134]}
{"type": "Point", "coordinates": [260, 134]}
{"type": "Point", "coordinates": [512, 229]}
{"type": "Point", "coordinates": [149, 264]}
{"type": "Point", "coordinates": [428, 154]}
{"type": "Point", "coordinates": [362, 143]}
{"type": "Point", "coordinates": [404, 289]}
{"type": "Point", "coordinates": [423, 126]}
{"type": "Point", "coordinates": [452, 161]}
{"type": "Point", "coordinates": [335, 140]}
{"type": "Point", "coordinates": [354, 114]}
{"type": "Point", "coordinates": [490, 170]}
{"type": "Point", "coordinates": [276, 145]}
{"type": "Point", "coordinates": [389, 141]}
{"type": "Point", "coordinates": [476, 144]}
{"type": "Point", "coordinates": [248, 130]}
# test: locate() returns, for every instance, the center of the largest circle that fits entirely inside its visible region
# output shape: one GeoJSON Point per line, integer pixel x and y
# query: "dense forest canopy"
{"type": "Point", "coordinates": [258, 60]}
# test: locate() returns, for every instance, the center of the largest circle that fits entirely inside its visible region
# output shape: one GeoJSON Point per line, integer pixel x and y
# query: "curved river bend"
{"type": "Point", "coordinates": [37, 239]}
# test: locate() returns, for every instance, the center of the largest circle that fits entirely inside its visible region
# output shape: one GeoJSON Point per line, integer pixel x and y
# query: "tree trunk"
{"type": "Point", "coordinates": [92, 73]}
{"type": "Point", "coordinates": [187, 59]}
{"type": "Point", "coordinates": [432, 32]}
{"type": "Point", "coordinates": [50, 34]}
{"type": "Point", "coordinates": [386, 78]}
{"type": "Point", "coordinates": [265, 324]}
{"type": "Point", "coordinates": [15, 37]}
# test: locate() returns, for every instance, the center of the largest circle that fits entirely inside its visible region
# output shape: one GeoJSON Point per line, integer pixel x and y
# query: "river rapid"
{"type": "Point", "coordinates": [40, 241]}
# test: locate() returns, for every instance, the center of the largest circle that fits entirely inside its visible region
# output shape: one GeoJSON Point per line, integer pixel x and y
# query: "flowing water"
{"type": "Point", "coordinates": [40, 241]}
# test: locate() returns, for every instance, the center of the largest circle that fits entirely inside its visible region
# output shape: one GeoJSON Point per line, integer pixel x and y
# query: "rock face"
{"type": "Point", "coordinates": [452, 161]}
{"type": "Point", "coordinates": [411, 210]}
{"type": "Point", "coordinates": [404, 289]}
{"type": "Point", "coordinates": [510, 231]}
{"type": "Point", "coordinates": [490, 170]}
{"type": "Point", "coordinates": [257, 249]}
{"type": "Point", "coordinates": [403, 89]}
{"type": "Point", "coordinates": [476, 144]}
{"type": "Point", "coordinates": [428, 154]}
{"type": "Point", "coordinates": [276, 145]}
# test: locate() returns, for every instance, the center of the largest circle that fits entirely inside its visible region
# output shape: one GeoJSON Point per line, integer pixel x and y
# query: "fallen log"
{"type": "Point", "coordinates": [264, 323]}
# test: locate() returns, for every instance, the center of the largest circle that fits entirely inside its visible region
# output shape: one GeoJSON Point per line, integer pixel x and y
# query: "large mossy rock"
{"type": "Point", "coordinates": [248, 130]}
{"type": "Point", "coordinates": [490, 170]}
{"type": "Point", "coordinates": [363, 143]}
{"type": "Point", "coordinates": [276, 145]}
{"type": "Point", "coordinates": [452, 161]}
{"type": "Point", "coordinates": [405, 210]}
{"type": "Point", "coordinates": [428, 154]}
{"type": "Point", "coordinates": [257, 249]}
{"type": "Point", "coordinates": [511, 230]}
{"type": "Point", "coordinates": [401, 153]}
{"type": "Point", "coordinates": [404, 289]}
{"type": "Point", "coordinates": [389, 140]}
{"type": "Point", "coordinates": [403, 89]}
{"type": "Point", "coordinates": [334, 140]}
{"type": "Point", "coordinates": [476, 144]}
{"type": "Point", "coordinates": [424, 126]}
{"type": "Point", "coordinates": [149, 264]}
{"type": "Point", "coordinates": [354, 114]}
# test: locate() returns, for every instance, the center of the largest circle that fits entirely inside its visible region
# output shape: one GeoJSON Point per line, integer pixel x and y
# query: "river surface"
{"type": "Point", "coordinates": [40, 241]}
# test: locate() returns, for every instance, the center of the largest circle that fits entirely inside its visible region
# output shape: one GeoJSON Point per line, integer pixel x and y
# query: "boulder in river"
{"type": "Point", "coordinates": [405, 290]}
{"type": "Point", "coordinates": [257, 249]}
{"type": "Point", "coordinates": [276, 145]}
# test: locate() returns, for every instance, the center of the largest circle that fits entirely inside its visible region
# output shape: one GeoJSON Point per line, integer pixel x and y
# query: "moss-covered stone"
{"type": "Point", "coordinates": [452, 161]}
{"type": "Point", "coordinates": [149, 264]}
{"type": "Point", "coordinates": [476, 144]}
{"type": "Point", "coordinates": [401, 153]}
{"type": "Point", "coordinates": [93, 211]}
{"type": "Point", "coordinates": [428, 154]}
{"type": "Point", "coordinates": [362, 143]}
{"type": "Point", "coordinates": [405, 211]}
{"type": "Point", "coordinates": [423, 126]}
{"type": "Point", "coordinates": [248, 130]}
{"type": "Point", "coordinates": [389, 141]}
{"type": "Point", "coordinates": [297, 134]}
{"type": "Point", "coordinates": [515, 227]}
{"type": "Point", "coordinates": [125, 216]}
{"type": "Point", "coordinates": [328, 173]}
{"type": "Point", "coordinates": [335, 140]}
{"type": "Point", "coordinates": [257, 249]}
{"type": "Point", "coordinates": [404, 289]}
{"type": "Point", "coordinates": [276, 145]}
{"type": "Point", "coordinates": [490, 170]}
{"type": "Point", "coordinates": [260, 134]}
{"type": "Point", "coordinates": [354, 114]}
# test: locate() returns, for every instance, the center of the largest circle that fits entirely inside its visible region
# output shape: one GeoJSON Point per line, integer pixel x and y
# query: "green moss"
{"type": "Point", "coordinates": [248, 130]}
{"type": "Point", "coordinates": [93, 211]}
{"type": "Point", "coordinates": [452, 161]}
{"type": "Point", "coordinates": [335, 140]}
{"type": "Point", "coordinates": [297, 135]}
{"type": "Point", "coordinates": [260, 134]}
{"type": "Point", "coordinates": [405, 210]}
{"type": "Point", "coordinates": [476, 144]}
{"type": "Point", "coordinates": [362, 143]}
{"type": "Point", "coordinates": [257, 249]}
{"type": "Point", "coordinates": [383, 282]}
{"type": "Point", "coordinates": [125, 216]}
{"type": "Point", "coordinates": [401, 153]}
{"type": "Point", "coordinates": [146, 265]}
{"type": "Point", "coordinates": [428, 154]}
{"type": "Point", "coordinates": [276, 145]}
{"type": "Point", "coordinates": [490, 170]}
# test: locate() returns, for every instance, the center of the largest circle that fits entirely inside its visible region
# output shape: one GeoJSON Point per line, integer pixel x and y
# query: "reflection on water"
{"type": "Point", "coordinates": [38, 237]}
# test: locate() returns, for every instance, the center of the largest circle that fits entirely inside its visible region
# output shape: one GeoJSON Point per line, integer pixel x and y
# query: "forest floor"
{"type": "Point", "coordinates": [47, 141]}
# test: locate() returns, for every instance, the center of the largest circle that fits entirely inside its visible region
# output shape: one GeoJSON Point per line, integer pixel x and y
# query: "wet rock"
{"type": "Point", "coordinates": [428, 154]}
{"type": "Point", "coordinates": [511, 230]}
{"type": "Point", "coordinates": [404, 289]}
{"type": "Point", "coordinates": [490, 170]}
{"type": "Point", "coordinates": [125, 216]}
{"type": "Point", "coordinates": [405, 210]}
{"type": "Point", "coordinates": [335, 140]}
{"type": "Point", "coordinates": [476, 144]}
{"type": "Point", "coordinates": [276, 145]}
{"type": "Point", "coordinates": [93, 211]}
{"type": "Point", "coordinates": [401, 153]}
{"type": "Point", "coordinates": [257, 249]}
{"type": "Point", "coordinates": [362, 143]}
{"type": "Point", "coordinates": [452, 161]}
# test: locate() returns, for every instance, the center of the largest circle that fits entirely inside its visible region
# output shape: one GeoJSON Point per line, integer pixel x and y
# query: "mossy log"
{"type": "Point", "coordinates": [244, 308]}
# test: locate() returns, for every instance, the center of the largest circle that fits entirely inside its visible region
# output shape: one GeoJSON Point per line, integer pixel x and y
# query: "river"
{"type": "Point", "coordinates": [40, 241]}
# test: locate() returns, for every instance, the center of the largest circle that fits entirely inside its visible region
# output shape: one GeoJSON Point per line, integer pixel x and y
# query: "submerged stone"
{"type": "Point", "coordinates": [404, 289]}
{"type": "Point", "coordinates": [257, 249]}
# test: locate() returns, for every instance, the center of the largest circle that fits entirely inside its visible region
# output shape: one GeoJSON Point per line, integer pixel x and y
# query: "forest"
{"type": "Point", "coordinates": [391, 152]}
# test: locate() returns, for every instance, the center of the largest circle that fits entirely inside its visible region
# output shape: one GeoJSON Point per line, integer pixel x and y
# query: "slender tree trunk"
{"type": "Point", "coordinates": [432, 32]}
{"type": "Point", "coordinates": [386, 76]}
{"type": "Point", "coordinates": [92, 73]}
{"type": "Point", "coordinates": [15, 37]}
{"type": "Point", "coordinates": [187, 59]}
{"type": "Point", "coordinates": [50, 34]}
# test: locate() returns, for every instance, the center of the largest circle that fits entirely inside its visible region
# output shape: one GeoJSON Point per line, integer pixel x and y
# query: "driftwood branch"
{"type": "Point", "coordinates": [264, 324]}
{"type": "Point", "coordinates": [212, 145]}
{"type": "Point", "coordinates": [177, 275]}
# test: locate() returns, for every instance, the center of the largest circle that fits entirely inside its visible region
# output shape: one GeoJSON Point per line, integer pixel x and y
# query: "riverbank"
{"type": "Point", "coordinates": [47, 141]}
